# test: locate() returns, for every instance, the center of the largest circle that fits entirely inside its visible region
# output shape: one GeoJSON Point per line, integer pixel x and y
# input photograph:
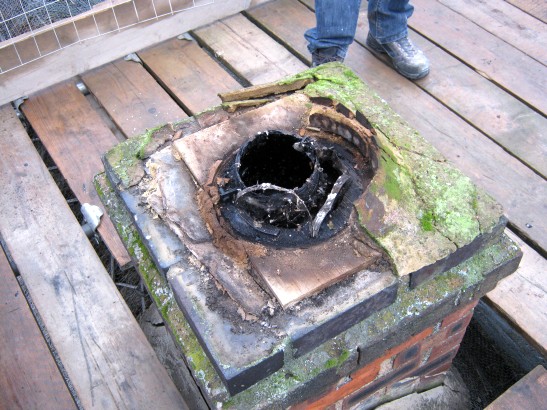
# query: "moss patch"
{"type": "Point", "coordinates": [431, 208]}
{"type": "Point", "coordinates": [426, 221]}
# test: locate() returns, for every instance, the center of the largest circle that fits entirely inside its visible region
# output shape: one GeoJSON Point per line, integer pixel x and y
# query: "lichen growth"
{"type": "Point", "coordinates": [426, 191]}
{"type": "Point", "coordinates": [396, 177]}
{"type": "Point", "coordinates": [124, 157]}
{"type": "Point", "coordinates": [337, 361]}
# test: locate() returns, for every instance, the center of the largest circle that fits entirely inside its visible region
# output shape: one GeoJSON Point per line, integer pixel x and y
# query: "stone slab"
{"type": "Point", "coordinates": [174, 191]}
{"type": "Point", "coordinates": [302, 378]}
{"type": "Point", "coordinates": [344, 321]}
{"type": "Point", "coordinates": [162, 243]}
{"type": "Point", "coordinates": [418, 209]}
{"type": "Point", "coordinates": [245, 352]}
{"type": "Point", "coordinates": [425, 214]}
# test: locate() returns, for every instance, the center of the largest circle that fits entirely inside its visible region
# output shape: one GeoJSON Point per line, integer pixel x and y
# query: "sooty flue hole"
{"type": "Point", "coordinates": [272, 159]}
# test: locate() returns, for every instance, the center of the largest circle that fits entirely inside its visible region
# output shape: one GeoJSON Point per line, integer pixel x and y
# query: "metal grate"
{"type": "Point", "coordinates": [32, 29]}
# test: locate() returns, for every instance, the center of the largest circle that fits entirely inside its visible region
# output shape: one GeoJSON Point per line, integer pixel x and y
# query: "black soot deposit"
{"type": "Point", "coordinates": [284, 190]}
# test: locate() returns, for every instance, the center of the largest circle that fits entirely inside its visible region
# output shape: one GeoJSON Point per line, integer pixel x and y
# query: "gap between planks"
{"type": "Point", "coordinates": [75, 137]}
{"type": "Point", "coordinates": [105, 353]}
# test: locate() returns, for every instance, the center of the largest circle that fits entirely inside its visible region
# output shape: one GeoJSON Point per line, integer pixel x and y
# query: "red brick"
{"type": "Point", "coordinates": [447, 345]}
{"type": "Point", "coordinates": [448, 333]}
{"type": "Point", "coordinates": [361, 377]}
{"type": "Point", "coordinates": [459, 314]}
{"type": "Point", "coordinates": [456, 327]}
{"type": "Point", "coordinates": [446, 363]}
{"type": "Point", "coordinates": [413, 340]}
{"type": "Point", "coordinates": [405, 356]}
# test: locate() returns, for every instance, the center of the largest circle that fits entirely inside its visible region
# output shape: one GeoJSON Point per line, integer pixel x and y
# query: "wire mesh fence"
{"type": "Point", "coordinates": [32, 29]}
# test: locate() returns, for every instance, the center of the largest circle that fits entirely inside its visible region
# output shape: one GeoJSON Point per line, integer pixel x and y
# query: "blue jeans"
{"type": "Point", "coordinates": [337, 22]}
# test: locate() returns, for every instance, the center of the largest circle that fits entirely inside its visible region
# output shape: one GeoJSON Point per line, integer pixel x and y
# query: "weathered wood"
{"type": "Point", "coordinates": [76, 138]}
{"type": "Point", "coordinates": [106, 356]}
{"type": "Point", "coordinates": [506, 22]}
{"type": "Point", "coordinates": [294, 275]}
{"type": "Point", "coordinates": [233, 106]}
{"type": "Point", "coordinates": [506, 120]}
{"type": "Point", "coordinates": [192, 76]}
{"type": "Point", "coordinates": [535, 8]}
{"type": "Point", "coordinates": [131, 96]}
{"type": "Point", "coordinates": [249, 51]}
{"type": "Point", "coordinates": [521, 298]}
{"type": "Point", "coordinates": [286, 12]}
{"type": "Point", "coordinates": [94, 52]}
{"type": "Point", "coordinates": [29, 378]}
{"type": "Point", "coordinates": [528, 393]}
{"type": "Point", "coordinates": [491, 56]}
{"type": "Point", "coordinates": [515, 186]}
{"type": "Point", "coordinates": [264, 90]}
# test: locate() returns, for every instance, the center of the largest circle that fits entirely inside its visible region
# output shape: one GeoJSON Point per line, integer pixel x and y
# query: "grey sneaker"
{"type": "Point", "coordinates": [408, 60]}
{"type": "Point", "coordinates": [325, 55]}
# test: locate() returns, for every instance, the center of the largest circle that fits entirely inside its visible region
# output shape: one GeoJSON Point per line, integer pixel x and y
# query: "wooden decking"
{"type": "Point", "coordinates": [483, 106]}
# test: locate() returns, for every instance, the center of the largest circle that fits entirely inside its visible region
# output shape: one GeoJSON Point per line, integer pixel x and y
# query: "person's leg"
{"type": "Point", "coordinates": [388, 33]}
{"type": "Point", "coordinates": [336, 24]}
{"type": "Point", "coordinates": [388, 19]}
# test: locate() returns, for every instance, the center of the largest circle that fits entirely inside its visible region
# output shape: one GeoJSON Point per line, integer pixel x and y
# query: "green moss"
{"type": "Point", "coordinates": [304, 75]}
{"type": "Point", "coordinates": [452, 199]}
{"type": "Point", "coordinates": [124, 157]}
{"type": "Point", "coordinates": [426, 221]}
{"type": "Point", "coordinates": [145, 140]}
{"type": "Point", "coordinates": [392, 185]}
{"type": "Point", "coordinates": [337, 361]}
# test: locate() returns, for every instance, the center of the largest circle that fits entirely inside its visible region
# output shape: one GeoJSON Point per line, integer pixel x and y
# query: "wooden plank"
{"type": "Point", "coordinates": [29, 378]}
{"type": "Point", "coordinates": [506, 22]}
{"type": "Point", "coordinates": [274, 19]}
{"type": "Point", "coordinates": [76, 138]}
{"type": "Point", "coordinates": [131, 96]}
{"type": "Point", "coordinates": [294, 275]}
{"type": "Point", "coordinates": [515, 186]}
{"type": "Point", "coordinates": [492, 57]}
{"type": "Point", "coordinates": [106, 356]}
{"type": "Point", "coordinates": [522, 296]}
{"type": "Point", "coordinates": [516, 127]}
{"type": "Point", "coordinates": [528, 393]}
{"type": "Point", "coordinates": [248, 50]}
{"type": "Point", "coordinates": [94, 52]}
{"type": "Point", "coordinates": [503, 118]}
{"type": "Point", "coordinates": [535, 8]}
{"type": "Point", "coordinates": [192, 76]}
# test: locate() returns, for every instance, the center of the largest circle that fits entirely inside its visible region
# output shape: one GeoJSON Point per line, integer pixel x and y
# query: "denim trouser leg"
{"type": "Point", "coordinates": [388, 19]}
{"type": "Point", "coordinates": [336, 24]}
